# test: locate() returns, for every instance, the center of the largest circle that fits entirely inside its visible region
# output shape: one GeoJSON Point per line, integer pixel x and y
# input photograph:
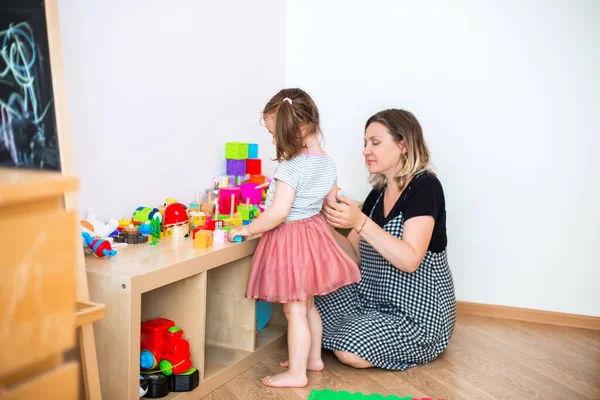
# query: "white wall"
{"type": "Point", "coordinates": [156, 88]}
{"type": "Point", "coordinates": [506, 93]}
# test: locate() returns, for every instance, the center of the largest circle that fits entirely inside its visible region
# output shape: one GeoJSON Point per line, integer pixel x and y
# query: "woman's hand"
{"type": "Point", "coordinates": [343, 215]}
{"type": "Point", "coordinates": [238, 231]}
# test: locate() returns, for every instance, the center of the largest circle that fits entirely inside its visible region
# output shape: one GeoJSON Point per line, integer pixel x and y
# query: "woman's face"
{"type": "Point", "coordinates": [383, 154]}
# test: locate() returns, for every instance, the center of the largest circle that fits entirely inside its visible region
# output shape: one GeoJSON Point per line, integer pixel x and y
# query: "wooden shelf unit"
{"type": "Point", "coordinates": [38, 287]}
{"type": "Point", "coordinates": [201, 290]}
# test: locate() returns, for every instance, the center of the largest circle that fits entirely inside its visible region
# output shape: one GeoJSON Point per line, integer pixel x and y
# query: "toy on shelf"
{"type": "Point", "coordinates": [169, 201]}
{"type": "Point", "coordinates": [184, 382]}
{"type": "Point", "coordinates": [143, 386]}
{"type": "Point", "coordinates": [163, 346]}
{"type": "Point", "coordinates": [131, 235]}
{"type": "Point", "coordinates": [236, 151]}
{"type": "Point", "coordinates": [236, 167]}
{"type": "Point", "coordinates": [203, 239]}
{"type": "Point", "coordinates": [177, 221]}
{"type": "Point", "coordinates": [198, 218]}
{"type": "Point", "coordinates": [124, 223]}
{"type": "Point", "coordinates": [229, 198]}
{"type": "Point", "coordinates": [97, 228]}
{"type": "Point", "coordinates": [155, 232]}
{"type": "Point", "coordinates": [253, 167]}
{"type": "Point", "coordinates": [158, 386]}
{"type": "Point", "coordinates": [250, 194]}
{"type": "Point", "coordinates": [145, 214]}
{"type": "Point", "coordinates": [258, 179]}
{"type": "Point", "coordinates": [220, 236]}
{"type": "Point", "coordinates": [100, 247]}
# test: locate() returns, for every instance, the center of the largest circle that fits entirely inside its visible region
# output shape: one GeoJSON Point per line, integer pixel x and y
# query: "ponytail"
{"type": "Point", "coordinates": [287, 132]}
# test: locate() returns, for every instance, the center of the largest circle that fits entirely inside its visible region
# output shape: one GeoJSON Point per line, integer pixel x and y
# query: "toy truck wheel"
{"type": "Point", "coordinates": [166, 367]}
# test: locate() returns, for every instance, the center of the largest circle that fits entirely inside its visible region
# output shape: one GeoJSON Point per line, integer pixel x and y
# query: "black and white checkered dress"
{"type": "Point", "coordinates": [394, 319]}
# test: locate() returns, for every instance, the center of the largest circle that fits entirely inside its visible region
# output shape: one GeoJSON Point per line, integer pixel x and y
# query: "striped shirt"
{"type": "Point", "coordinates": [313, 175]}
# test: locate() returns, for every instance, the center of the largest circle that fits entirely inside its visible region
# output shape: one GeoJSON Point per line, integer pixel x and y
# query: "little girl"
{"type": "Point", "coordinates": [297, 257]}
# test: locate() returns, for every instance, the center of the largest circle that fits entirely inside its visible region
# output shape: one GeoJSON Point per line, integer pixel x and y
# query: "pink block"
{"type": "Point", "coordinates": [225, 199]}
{"type": "Point", "coordinates": [219, 236]}
{"type": "Point", "coordinates": [248, 191]}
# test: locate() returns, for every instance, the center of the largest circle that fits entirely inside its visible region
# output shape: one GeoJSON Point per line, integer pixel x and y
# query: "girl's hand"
{"type": "Point", "coordinates": [238, 231]}
{"type": "Point", "coordinates": [343, 215]}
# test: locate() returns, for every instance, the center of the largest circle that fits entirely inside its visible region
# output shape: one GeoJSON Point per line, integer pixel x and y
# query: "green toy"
{"type": "Point", "coordinates": [236, 151]}
{"type": "Point", "coordinates": [328, 394]}
{"type": "Point", "coordinates": [155, 231]}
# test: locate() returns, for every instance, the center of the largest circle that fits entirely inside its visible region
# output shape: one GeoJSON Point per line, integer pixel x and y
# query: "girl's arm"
{"type": "Point", "coordinates": [273, 216]}
{"type": "Point", "coordinates": [406, 254]}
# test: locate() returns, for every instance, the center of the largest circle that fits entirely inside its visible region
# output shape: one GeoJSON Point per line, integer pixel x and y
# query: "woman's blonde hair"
{"type": "Point", "coordinates": [403, 126]}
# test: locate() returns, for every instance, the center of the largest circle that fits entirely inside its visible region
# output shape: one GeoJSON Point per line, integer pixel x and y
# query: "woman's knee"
{"type": "Point", "coordinates": [352, 359]}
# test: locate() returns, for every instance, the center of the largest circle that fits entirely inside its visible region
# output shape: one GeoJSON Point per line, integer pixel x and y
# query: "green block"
{"type": "Point", "coordinates": [328, 394]}
{"type": "Point", "coordinates": [236, 151]}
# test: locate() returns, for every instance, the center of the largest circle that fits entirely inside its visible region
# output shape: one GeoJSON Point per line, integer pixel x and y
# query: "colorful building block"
{"type": "Point", "coordinates": [236, 222]}
{"type": "Point", "coordinates": [221, 181]}
{"type": "Point", "coordinates": [225, 197]}
{"type": "Point", "coordinates": [254, 167]}
{"type": "Point", "coordinates": [238, 239]}
{"type": "Point", "coordinates": [241, 179]}
{"type": "Point", "coordinates": [258, 179]}
{"type": "Point", "coordinates": [236, 151]}
{"type": "Point", "coordinates": [236, 167]}
{"type": "Point", "coordinates": [220, 236]}
{"type": "Point", "coordinates": [198, 218]}
{"type": "Point", "coordinates": [203, 239]}
{"type": "Point", "coordinates": [249, 194]}
{"type": "Point", "coordinates": [252, 150]}
{"type": "Point", "coordinates": [199, 228]}
{"type": "Point", "coordinates": [215, 224]}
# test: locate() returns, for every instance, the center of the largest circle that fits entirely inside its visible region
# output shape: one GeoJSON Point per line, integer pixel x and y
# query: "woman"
{"type": "Point", "coordinates": [402, 313]}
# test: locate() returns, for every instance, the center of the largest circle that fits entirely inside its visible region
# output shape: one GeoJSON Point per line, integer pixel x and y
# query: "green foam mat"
{"type": "Point", "coordinates": [327, 394]}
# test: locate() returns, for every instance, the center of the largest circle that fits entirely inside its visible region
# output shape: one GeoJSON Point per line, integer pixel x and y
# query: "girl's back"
{"type": "Point", "coordinates": [313, 176]}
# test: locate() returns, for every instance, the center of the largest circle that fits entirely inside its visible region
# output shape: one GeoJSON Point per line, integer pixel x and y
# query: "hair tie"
{"type": "Point", "coordinates": [288, 100]}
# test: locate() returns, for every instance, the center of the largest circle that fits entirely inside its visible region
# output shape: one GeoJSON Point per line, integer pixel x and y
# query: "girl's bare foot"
{"type": "Point", "coordinates": [313, 365]}
{"type": "Point", "coordinates": [285, 379]}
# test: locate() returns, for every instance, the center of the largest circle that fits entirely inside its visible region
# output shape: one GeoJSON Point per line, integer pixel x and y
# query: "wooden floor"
{"type": "Point", "coordinates": [487, 359]}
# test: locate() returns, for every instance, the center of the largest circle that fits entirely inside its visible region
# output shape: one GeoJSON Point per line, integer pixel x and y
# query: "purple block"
{"type": "Point", "coordinates": [236, 167]}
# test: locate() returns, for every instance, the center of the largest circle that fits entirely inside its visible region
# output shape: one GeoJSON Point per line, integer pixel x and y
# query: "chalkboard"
{"type": "Point", "coordinates": [28, 134]}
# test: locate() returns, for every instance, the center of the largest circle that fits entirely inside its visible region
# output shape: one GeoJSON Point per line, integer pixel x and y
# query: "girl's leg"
{"type": "Point", "coordinates": [298, 348]}
{"type": "Point", "coordinates": [315, 362]}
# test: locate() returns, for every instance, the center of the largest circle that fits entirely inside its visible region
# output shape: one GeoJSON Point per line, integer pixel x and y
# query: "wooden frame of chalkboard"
{"type": "Point", "coordinates": [34, 127]}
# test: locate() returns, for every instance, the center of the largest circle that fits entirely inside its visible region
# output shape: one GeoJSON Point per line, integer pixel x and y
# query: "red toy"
{"type": "Point", "coordinates": [253, 167]}
{"type": "Point", "coordinates": [100, 247]}
{"type": "Point", "coordinates": [176, 213]}
{"type": "Point", "coordinates": [162, 344]}
{"type": "Point", "coordinates": [215, 224]}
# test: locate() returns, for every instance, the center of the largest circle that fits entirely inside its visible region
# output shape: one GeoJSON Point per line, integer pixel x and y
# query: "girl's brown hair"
{"type": "Point", "coordinates": [403, 126]}
{"type": "Point", "coordinates": [301, 113]}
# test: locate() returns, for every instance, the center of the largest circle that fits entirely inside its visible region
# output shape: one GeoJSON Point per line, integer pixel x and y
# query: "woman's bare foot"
{"type": "Point", "coordinates": [285, 379]}
{"type": "Point", "coordinates": [313, 365]}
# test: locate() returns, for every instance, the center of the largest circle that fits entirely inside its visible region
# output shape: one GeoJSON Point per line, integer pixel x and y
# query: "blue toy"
{"type": "Point", "coordinates": [100, 247]}
{"type": "Point", "coordinates": [264, 312]}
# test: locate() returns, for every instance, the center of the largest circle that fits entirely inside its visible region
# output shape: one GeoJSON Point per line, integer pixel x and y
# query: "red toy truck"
{"type": "Point", "coordinates": [163, 345]}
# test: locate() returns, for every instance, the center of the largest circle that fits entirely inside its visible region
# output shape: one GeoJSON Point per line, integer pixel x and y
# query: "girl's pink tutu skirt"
{"type": "Point", "coordinates": [298, 260]}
